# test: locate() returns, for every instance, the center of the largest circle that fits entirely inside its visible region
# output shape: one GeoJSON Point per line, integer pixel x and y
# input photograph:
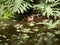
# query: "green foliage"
{"type": "Point", "coordinates": [29, 0]}
{"type": "Point", "coordinates": [9, 7]}
{"type": "Point", "coordinates": [50, 24]}
{"type": "Point", "coordinates": [46, 7]}
{"type": "Point", "coordinates": [35, 32]}
{"type": "Point", "coordinates": [20, 6]}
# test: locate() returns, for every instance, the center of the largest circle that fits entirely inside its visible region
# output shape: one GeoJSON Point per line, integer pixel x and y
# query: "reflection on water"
{"type": "Point", "coordinates": [23, 33]}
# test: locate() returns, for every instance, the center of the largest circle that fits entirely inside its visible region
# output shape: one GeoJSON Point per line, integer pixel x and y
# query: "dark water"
{"type": "Point", "coordinates": [8, 30]}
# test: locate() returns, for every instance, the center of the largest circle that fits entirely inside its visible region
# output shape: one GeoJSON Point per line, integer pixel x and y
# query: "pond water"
{"type": "Point", "coordinates": [26, 33]}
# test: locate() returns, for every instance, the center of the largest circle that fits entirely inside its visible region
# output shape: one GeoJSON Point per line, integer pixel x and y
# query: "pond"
{"type": "Point", "coordinates": [13, 32]}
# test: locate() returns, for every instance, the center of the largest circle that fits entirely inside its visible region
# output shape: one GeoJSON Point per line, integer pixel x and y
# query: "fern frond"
{"type": "Point", "coordinates": [46, 7]}
{"type": "Point", "coordinates": [19, 6]}
{"type": "Point", "coordinates": [12, 6]}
